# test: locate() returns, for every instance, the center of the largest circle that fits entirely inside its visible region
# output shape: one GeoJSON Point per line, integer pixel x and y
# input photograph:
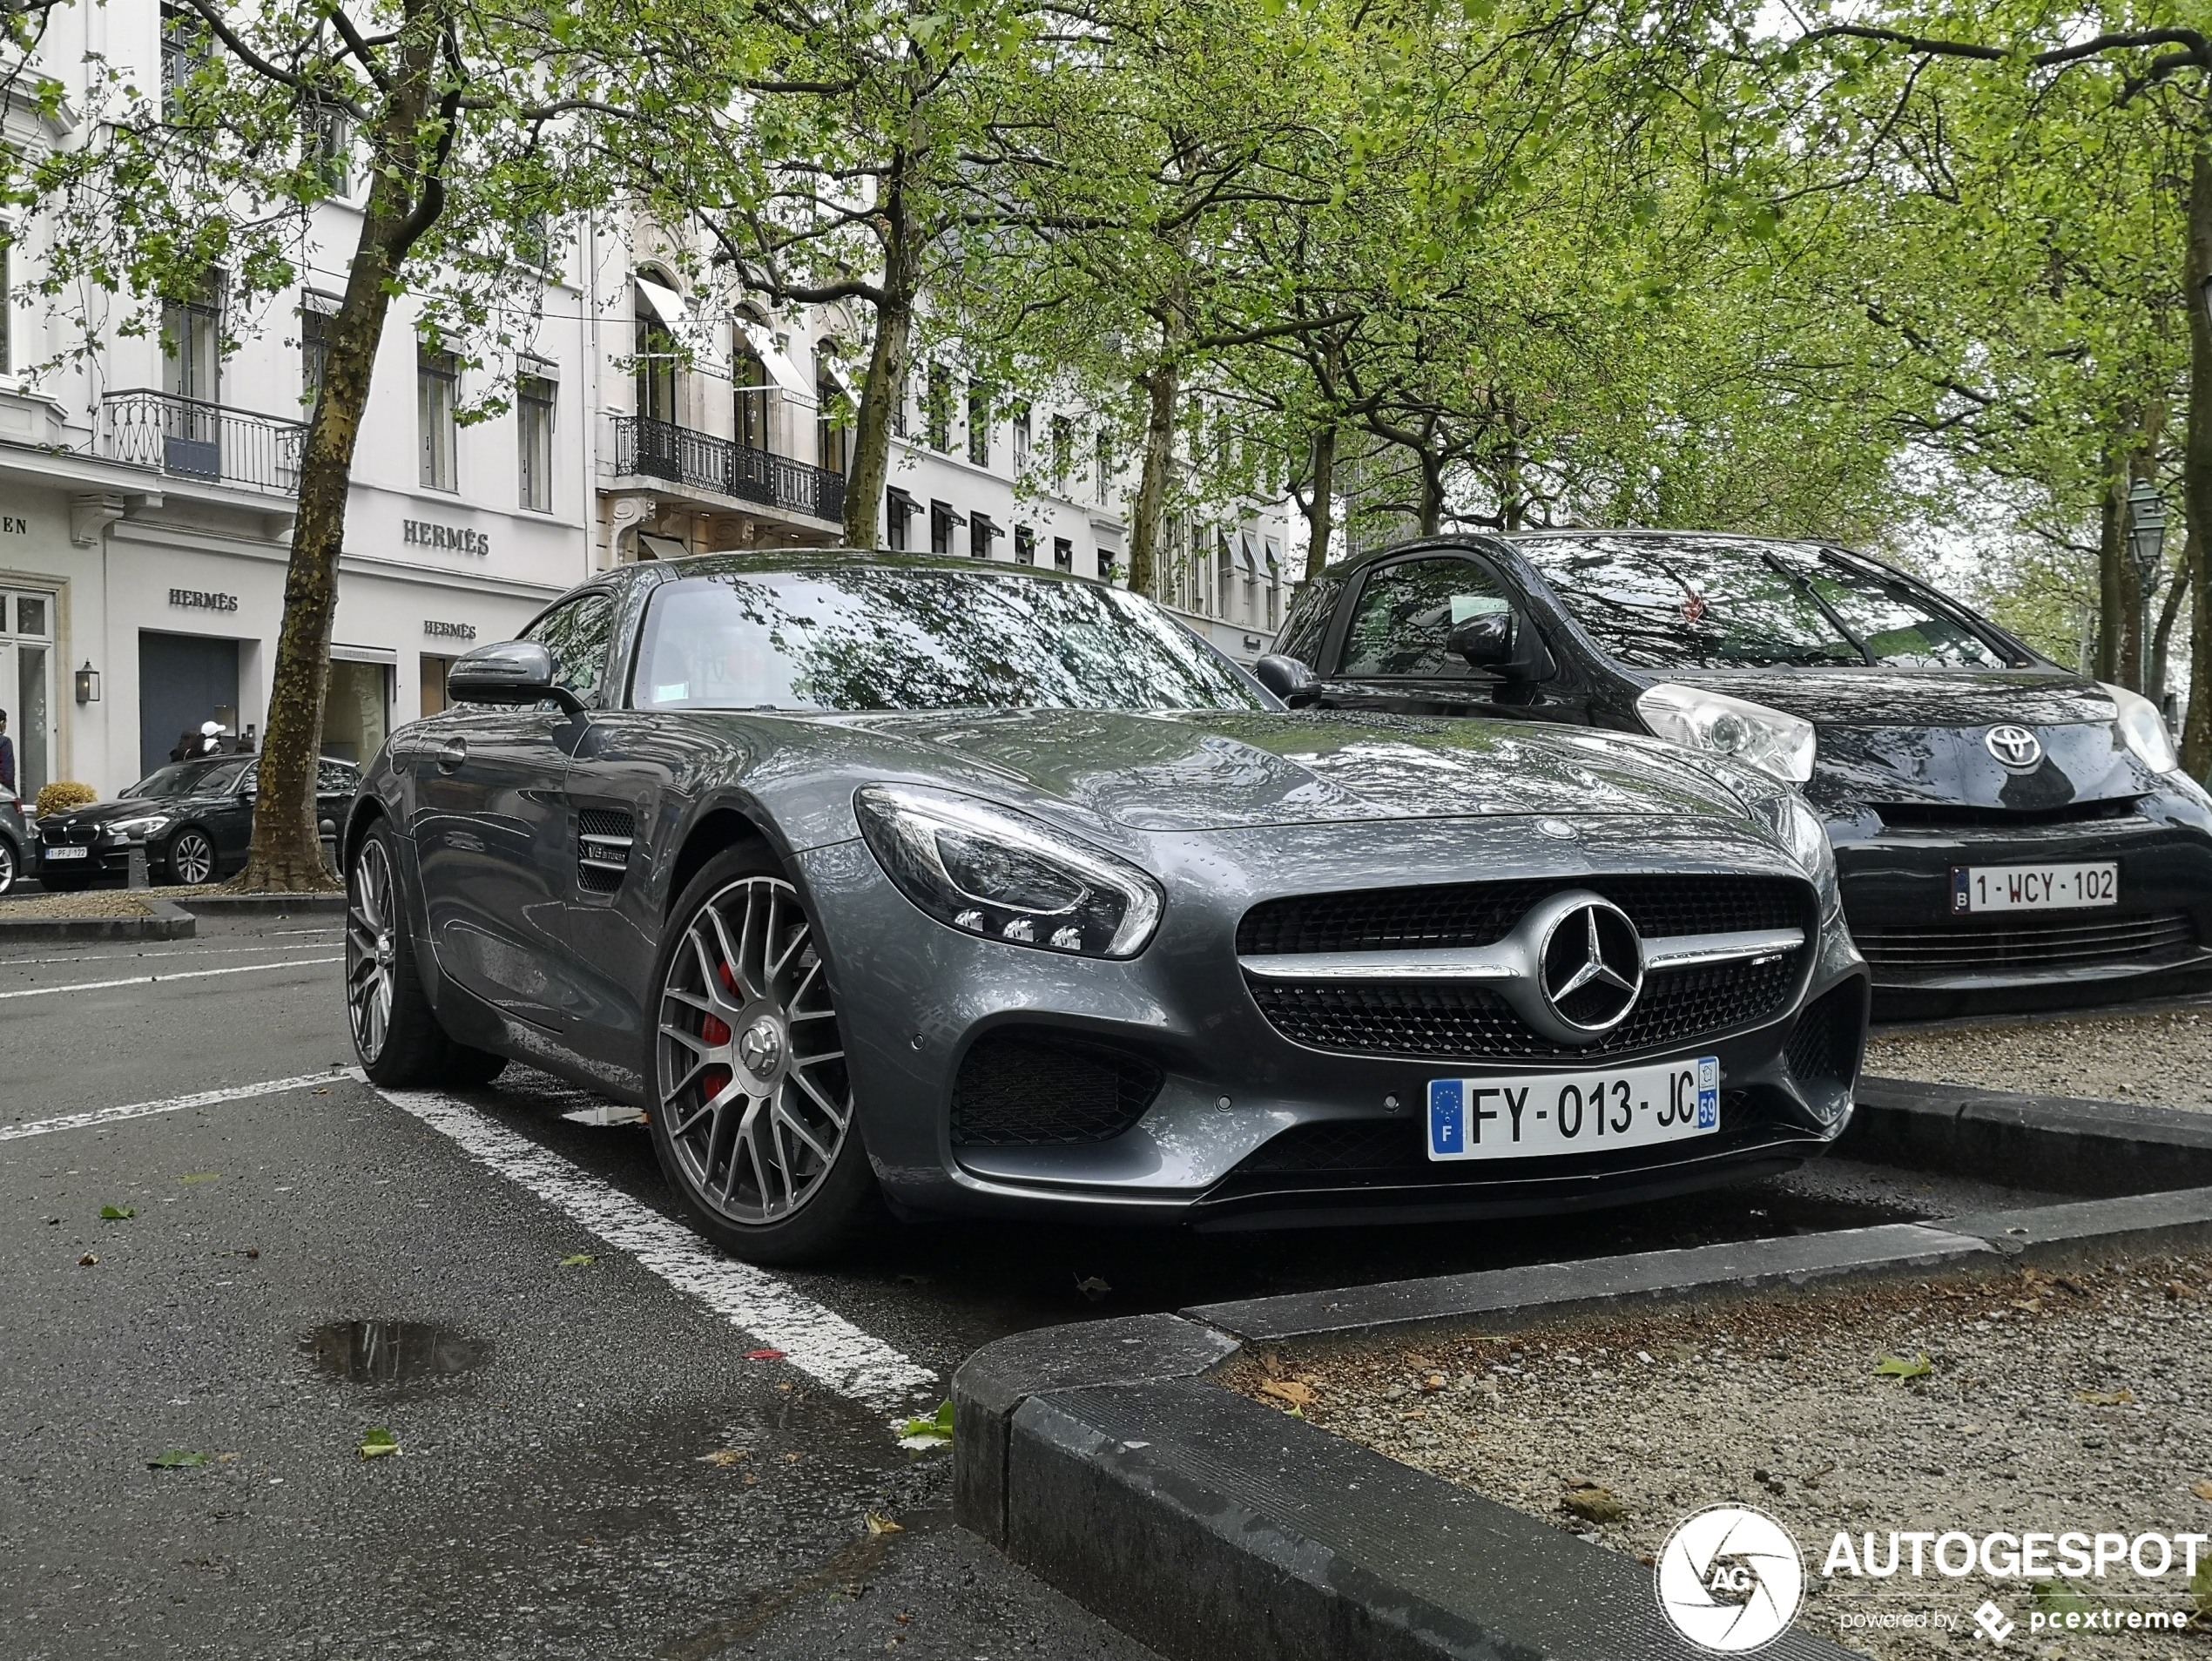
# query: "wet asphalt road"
{"type": "Point", "coordinates": [553, 1496]}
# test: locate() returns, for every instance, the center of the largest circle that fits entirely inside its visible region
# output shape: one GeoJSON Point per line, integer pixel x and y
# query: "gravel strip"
{"type": "Point", "coordinates": [2163, 1058]}
{"type": "Point", "coordinates": [93, 902]}
{"type": "Point", "coordinates": [2076, 1401]}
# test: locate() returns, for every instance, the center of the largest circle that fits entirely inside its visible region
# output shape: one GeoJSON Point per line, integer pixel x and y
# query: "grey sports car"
{"type": "Point", "coordinates": [981, 890]}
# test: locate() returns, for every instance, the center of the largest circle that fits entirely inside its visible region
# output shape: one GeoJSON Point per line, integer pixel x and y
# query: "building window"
{"type": "Point", "coordinates": [186, 50]}
{"type": "Point", "coordinates": [314, 351]}
{"type": "Point", "coordinates": [1063, 554]}
{"type": "Point", "coordinates": [942, 523]}
{"type": "Point", "coordinates": [982, 530]}
{"type": "Point", "coordinates": [1102, 466]}
{"type": "Point", "coordinates": [831, 432]}
{"type": "Point", "coordinates": [1025, 545]}
{"type": "Point", "coordinates": [656, 366]}
{"type": "Point", "coordinates": [1063, 453]}
{"type": "Point", "coordinates": [330, 148]}
{"type": "Point", "coordinates": [437, 387]}
{"type": "Point", "coordinates": [192, 344]}
{"type": "Point", "coordinates": [899, 406]}
{"type": "Point", "coordinates": [897, 504]}
{"type": "Point", "coordinates": [749, 377]}
{"type": "Point", "coordinates": [535, 395]}
{"type": "Point", "coordinates": [7, 303]}
{"type": "Point", "coordinates": [1020, 439]}
{"type": "Point", "coordinates": [534, 241]}
{"type": "Point", "coordinates": [937, 410]}
{"type": "Point", "coordinates": [979, 423]}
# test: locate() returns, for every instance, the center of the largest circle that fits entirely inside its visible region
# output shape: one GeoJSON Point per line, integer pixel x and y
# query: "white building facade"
{"type": "Point", "coordinates": [147, 487]}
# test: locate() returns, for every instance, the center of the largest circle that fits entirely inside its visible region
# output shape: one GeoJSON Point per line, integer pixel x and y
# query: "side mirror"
{"type": "Point", "coordinates": [1504, 641]}
{"type": "Point", "coordinates": [511, 672]}
{"type": "Point", "coordinates": [1287, 678]}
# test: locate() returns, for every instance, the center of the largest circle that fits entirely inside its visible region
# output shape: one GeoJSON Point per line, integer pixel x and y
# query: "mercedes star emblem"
{"type": "Point", "coordinates": [2015, 746]}
{"type": "Point", "coordinates": [1591, 966]}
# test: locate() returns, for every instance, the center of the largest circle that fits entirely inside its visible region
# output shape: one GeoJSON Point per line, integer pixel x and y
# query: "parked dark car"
{"type": "Point", "coordinates": [2009, 833]}
{"type": "Point", "coordinates": [997, 891]}
{"type": "Point", "coordinates": [14, 842]}
{"type": "Point", "coordinates": [195, 818]}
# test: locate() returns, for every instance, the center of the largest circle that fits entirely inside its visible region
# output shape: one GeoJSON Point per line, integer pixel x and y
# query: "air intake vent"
{"type": "Point", "coordinates": [1823, 1048]}
{"type": "Point", "coordinates": [602, 842]}
{"type": "Point", "coordinates": [1023, 1089]}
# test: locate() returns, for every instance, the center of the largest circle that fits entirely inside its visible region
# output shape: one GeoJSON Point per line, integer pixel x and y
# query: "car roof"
{"type": "Point", "coordinates": [805, 559]}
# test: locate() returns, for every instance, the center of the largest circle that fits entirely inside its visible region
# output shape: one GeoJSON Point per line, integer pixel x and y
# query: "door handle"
{"type": "Point", "coordinates": [452, 753]}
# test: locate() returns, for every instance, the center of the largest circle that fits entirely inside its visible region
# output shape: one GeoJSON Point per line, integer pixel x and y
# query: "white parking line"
{"type": "Point", "coordinates": [819, 1343]}
{"type": "Point", "coordinates": [172, 1104]}
{"type": "Point", "coordinates": [174, 951]}
{"type": "Point", "coordinates": [145, 980]}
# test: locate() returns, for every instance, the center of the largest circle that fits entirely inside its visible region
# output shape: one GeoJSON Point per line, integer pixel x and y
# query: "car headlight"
{"type": "Point", "coordinates": [2142, 729]}
{"type": "Point", "coordinates": [1765, 738]}
{"type": "Point", "coordinates": [138, 829]}
{"type": "Point", "coordinates": [988, 870]}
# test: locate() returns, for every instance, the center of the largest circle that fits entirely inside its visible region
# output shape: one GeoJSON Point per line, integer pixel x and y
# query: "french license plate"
{"type": "Point", "coordinates": [2033, 887]}
{"type": "Point", "coordinates": [1606, 1107]}
{"type": "Point", "coordinates": [66, 852]}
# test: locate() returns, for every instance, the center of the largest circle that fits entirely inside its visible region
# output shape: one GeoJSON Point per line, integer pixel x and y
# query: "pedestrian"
{"type": "Point", "coordinates": [187, 746]}
{"type": "Point", "coordinates": [7, 757]}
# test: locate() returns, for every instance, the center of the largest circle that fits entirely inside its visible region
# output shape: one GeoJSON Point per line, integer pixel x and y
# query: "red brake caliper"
{"type": "Point", "coordinates": [717, 1031]}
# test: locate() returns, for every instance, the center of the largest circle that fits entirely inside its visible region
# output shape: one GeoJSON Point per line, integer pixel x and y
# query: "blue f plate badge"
{"type": "Point", "coordinates": [1546, 1113]}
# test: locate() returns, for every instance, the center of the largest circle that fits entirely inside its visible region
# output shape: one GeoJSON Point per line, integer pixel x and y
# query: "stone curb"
{"type": "Point", "coordinates": [1101, 1458]}
{"type": "Point", "coordinates": [2053, 1143]}
{"type": "Point", "coordinates": [258, 905]}
{"type": "Point", "coordinates": [169, 922]}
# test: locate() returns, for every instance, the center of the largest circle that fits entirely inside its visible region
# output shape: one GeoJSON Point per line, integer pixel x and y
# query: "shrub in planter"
{"type": "Point", "coordinates": [64, 794]}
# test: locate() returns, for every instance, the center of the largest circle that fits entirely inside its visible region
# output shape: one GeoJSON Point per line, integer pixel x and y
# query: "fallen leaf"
{"type": "Point", "coordinates": [253, 1251]}
{"type": "Point", "coordinates": [2071, 1284]}
{"type": "Point", "coordinates": [2106, 1398]}
{"type": "Point", "coordinates": [2201, 1588]}
{"type": "Point", "coordinates": [884, 1525]}
{"type": "Point", "coordinates": [117, 1213]}
{"type": "Point", "coordinates": [581, 1260]}
{"type": "Point", "coordinates": [377, 1442]}
{"type": "Point", "coordinates": [919, 1436]}
{"type": "Point", "coordinates": [1593, 1503]}
{"type": "Point", "coordinates": [1294, 1413]}
{"type": "Point", "coordinates": [226, 1459]}
{"type": "Point", "coordinates": [1433, 1382]}
{"type": "Point", "coordinates": [177, 1459]}
{"type": "Point", "coordinates": [1289, 1390]}
{"type": "Point", "coordinates": [764, 1356]}
{"type": "Point", "coordinates": [202, 1175]}
{"type": "Point", "coordinates": [1891, 1367]}
{"type": "Point", "coordinates": [324, 1091]}
{"type": "Point", "coordinates": [903, 1620]}
{"type": "Point", "coordinates": [2055, 1598]}
{"type": "Point", "coordinates": [2202, 1491]}
{"type": "Point", "coordinates": [792, 1459]}
{"type": "Point", "coordinates": [725, 1456]}
{"type": "Point", "coordinates": [2179, 1289]}
{"type": "Point", "coordinates": [86, 1261]}
{"type": "Point", "coordinates": [1092, 1287]}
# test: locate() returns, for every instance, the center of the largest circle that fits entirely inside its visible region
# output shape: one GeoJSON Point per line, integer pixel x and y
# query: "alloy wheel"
{"type": "Point", "coordinates": [371, 916]}
{"type": "Point", "coordinates": [192, 857]}
{"type": "Point", "coordinates": [751, 1077]}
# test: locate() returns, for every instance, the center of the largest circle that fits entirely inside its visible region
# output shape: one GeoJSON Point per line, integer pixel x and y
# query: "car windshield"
{"type": "Point", "coordinates": [889, 639]}
{"type": "Point", "coordinates": [1715, 601]}
{"type": "Point", "coordinates": [187, 778]}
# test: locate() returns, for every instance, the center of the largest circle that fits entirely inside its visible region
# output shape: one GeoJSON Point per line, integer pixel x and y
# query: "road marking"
{"type": "Point", "coordinates": [173, 1104]}
{"type": "Point", "coordinates": [145, 980]}
{"type": "Point", "coordinates": [179, 951]}
{"type": "Point", "coordinates": [819, 1343]}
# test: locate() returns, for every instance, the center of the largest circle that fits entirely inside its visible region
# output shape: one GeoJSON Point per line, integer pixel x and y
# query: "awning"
{"type": "Point", "coordinates": [780, 368]}
{"type": "Point", "coordinates": [985, 523]}
{"type": "Point", "coordinates": [901, 504]}
{"type": "Point", "coordinates": [835, 367]}
{"type": "Point", "coordinates": [1247, 553]}
{"type": "Point", "coordinates": [362, 654]}
{"type": "Point", "coordinates": [652, 547]}
{"type": "Point", "coordinates": [666, 303]}
{"type": "Point", "coordinates": [536, 369]}
{"type": "Point", "coordinates": [1274, 555]}
{"type": "Point", "coordinates": [953, 515]}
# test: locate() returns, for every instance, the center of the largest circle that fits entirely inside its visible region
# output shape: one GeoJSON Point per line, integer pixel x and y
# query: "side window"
{"type": "Point", "coordinates": [336, 778]}
{"type": "Point", "coordinates": [1406, 614]}
{"type": "Point", "coordinates": [578, 635]}
{"type": "Point", "coordinates": [1308, 623]}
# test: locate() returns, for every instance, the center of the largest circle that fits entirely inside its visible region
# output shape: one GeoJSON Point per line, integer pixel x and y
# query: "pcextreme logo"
{"type": "Point", "coordinates": [1730, 1579]}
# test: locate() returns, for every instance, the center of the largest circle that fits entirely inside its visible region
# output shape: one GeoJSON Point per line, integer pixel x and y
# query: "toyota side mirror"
{"type": "Point", "coordinates": [510, 671]}
{"type": "Point", "coordinates": [1502, 641]}
{"type": "Point", "coordinates": [1287, 678]}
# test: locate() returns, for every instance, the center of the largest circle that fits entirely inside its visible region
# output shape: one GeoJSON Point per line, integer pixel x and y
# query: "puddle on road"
{"type": "Point", "coordinates": [392, 1352]}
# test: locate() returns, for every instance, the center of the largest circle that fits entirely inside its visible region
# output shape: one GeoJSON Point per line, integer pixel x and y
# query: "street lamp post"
{"type": "Point", "coordinates": [2146, 542]}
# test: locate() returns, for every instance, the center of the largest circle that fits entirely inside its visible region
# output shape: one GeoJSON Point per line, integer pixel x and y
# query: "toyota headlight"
{"type": "Point", "coordinates": [1766, 739]}
{"type": "Point", "coordinates": [139, 829]}
{"type": "Point", "coordinates": [988, 870]}
{"type": "Point", "coordinates": [2142, 729]}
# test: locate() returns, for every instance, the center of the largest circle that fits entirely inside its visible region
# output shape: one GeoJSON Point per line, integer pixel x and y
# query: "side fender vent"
{"type": "Point", "coordinates": [603, 838]}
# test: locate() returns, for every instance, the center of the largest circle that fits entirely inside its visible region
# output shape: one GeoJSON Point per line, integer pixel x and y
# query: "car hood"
{"type": "Point", "coordinates": [1213, 771]}
{"type": "Point", "coordinates": [1916, 698]}
{"type": "Point", "coordinates": [99, 813]}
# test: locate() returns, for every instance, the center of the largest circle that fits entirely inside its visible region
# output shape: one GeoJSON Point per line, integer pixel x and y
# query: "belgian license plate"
{"type": "Point", "coordinates": [1606, 1107]}
{"type": "Point", "coordinates": [66, 852]}
{"type": "Point", "coordinates": [2033, 887]}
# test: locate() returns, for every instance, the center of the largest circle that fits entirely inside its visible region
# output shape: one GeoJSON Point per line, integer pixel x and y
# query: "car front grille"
{"type": "Point", "coordinates": [67, 835]}
{"type": "Point", "coordinates": [1955, 816]}
{"type": "Point", "coordinates": [1020, 1089]}
{"type": "Point", "coordinates": [1475, 913]}
{"type": "Point", "coordinates": [1823, 1047]}
{"type": "Point", "coordinates": [1466, 1022]}
{"type": "Point", "coordinates": [1935, 949]}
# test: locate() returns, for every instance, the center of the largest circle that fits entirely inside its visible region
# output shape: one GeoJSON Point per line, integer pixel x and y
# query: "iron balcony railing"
{"type": "Point", "coordinates": [660, 449]}
{"type": "Point", "coordinates": [188, 438]}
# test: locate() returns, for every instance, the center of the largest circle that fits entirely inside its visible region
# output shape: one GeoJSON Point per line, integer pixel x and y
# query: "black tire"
{"type": "Point", "coordinates": [395, 1032]}
{"type": "Point", "coordinates": [10, 864]}
{"type": "Point", "coordinates": [798, 1207]}
{"type": "Point", "coordinates": [191, 858]}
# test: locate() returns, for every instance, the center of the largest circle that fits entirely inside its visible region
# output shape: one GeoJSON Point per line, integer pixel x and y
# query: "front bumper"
{"type": "Point", "coordinates": [1246, 1126]}
{"type": "Point", "coordinates": [1896, 888]}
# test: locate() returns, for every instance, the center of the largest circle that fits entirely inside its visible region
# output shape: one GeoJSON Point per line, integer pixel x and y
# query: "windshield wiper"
{"type": "Point", "coordinates": [1827, 610]}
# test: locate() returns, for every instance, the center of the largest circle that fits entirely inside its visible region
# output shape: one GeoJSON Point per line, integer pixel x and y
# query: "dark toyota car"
{"type": "Point", "coordinates": [994, 891]}
{"type": "Point", "coordinates": [2009, 834]}
{"type": "Point", "coordinates": [195, 819]}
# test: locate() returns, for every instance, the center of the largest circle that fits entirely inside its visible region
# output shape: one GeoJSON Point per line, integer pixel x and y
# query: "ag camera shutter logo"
{"type": "Point", "coordinates": [1729, 1579]}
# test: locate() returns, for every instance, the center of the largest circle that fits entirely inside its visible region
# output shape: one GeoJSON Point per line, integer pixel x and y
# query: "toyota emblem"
{"type": "Point", "coordinates": [1591, 966]}
{"type": "Point", "coordinates": [2015, 746]}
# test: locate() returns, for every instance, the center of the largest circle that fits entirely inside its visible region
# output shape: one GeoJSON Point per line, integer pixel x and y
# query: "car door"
{"type": "Point", "coordinates": [336, 782]}
{"type": "Point", "coordinates": [491, 824]}
{"type": "Point", "coordinates": [1395, 650]}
